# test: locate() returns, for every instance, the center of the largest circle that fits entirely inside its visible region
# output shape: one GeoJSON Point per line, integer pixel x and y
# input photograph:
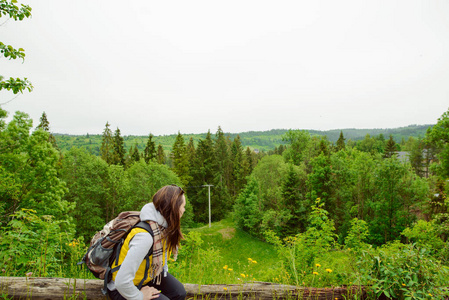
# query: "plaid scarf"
{"type": "Point", "coordinates": [158, 251]}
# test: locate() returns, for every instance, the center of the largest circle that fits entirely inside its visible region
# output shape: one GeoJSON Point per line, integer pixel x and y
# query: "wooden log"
{"type": "Point", "coordinates": [66, 288]}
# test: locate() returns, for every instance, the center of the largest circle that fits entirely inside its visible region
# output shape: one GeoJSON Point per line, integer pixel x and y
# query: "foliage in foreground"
{"type": "Point", "coordinates": [222, 254]}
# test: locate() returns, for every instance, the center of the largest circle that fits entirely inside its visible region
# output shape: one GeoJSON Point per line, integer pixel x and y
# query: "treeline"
{"type": "Point", "coordinates": [261, 140]}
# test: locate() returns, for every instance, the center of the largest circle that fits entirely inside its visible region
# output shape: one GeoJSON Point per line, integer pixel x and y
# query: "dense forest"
{"type": "Point", "coordinates": [271, 189]}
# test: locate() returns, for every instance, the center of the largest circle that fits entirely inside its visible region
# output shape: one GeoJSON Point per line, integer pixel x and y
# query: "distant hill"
{"type": "Point", "coordinates": [262, 140]}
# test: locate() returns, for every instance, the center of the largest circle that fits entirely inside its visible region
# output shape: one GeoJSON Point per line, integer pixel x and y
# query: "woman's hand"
{"type": "Point", "coordinates": [149, 292]}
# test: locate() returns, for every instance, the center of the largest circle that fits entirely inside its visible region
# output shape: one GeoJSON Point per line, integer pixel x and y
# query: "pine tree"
{"type": "Point", "coordinates": [203, 173]}
{"type": "Point", "coordinates": [341, 142]}
{"type": "Point", "coordinates": [150, 149]}
{"type": "Point", "coordinates": [323, 147]}
{"type": "Point", "coordinates": [238, 167]}
{"type": "Point", "coordinates": [135, 153]}
{"type": "Point", "coordinates": [106, 150]}
{"type": "Point", "coordinates": [281, 149]}
{"type": "Point", "coordinates": [190, 150]}
{"type": "Point", "coordinates": [390, 148]}
{"type": "Point", "coordinates": [180, 159]}
{"type": "Point", "coordinates": [191, 156]}
{"type": "Point", "coordinates": [45, 125]}
{"type": "Point", "coordinates": [205, 156]}
{"type": "Point", "coordinates": [250, 160]}
{"type": "Point", "coordinates": [294, 203]}
{"type": "Point", "coordinates": [160, 157]}
{"type": "Point", "coordinates": [222, 177]}
{"type": "Point", "coordinates": [222, 158]}
{"type": "Point", "coordinates": [118, 154]}
{"type": "Point", "coordinates": [417, 157]}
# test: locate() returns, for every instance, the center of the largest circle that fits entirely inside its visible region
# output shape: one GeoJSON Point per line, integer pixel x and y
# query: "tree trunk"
{"type": "Point", "coordinates": [66, 288]}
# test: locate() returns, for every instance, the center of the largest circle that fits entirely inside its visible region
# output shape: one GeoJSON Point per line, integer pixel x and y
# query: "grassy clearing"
{"type": "Point", "coordinates": [225, 254]}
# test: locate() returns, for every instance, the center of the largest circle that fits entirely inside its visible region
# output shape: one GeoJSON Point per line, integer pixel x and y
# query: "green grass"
{"type": "Point", "coordinates": [225, 255]}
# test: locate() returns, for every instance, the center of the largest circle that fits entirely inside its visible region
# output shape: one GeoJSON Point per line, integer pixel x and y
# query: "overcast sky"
{"type": "Point", "coordinates": [190, 66]}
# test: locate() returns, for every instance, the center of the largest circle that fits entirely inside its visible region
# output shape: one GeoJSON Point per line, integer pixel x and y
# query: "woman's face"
{"type": "Point", "coordinates": [182, 208]}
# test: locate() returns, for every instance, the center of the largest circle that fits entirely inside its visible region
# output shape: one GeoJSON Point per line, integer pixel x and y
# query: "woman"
{"type": "Point", "coordinates": [164, 216]}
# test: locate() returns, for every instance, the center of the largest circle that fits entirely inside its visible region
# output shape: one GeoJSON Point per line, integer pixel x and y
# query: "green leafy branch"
{"type": "Point", "coordinates": [14, 12]}
{"type": "Point", "coordinates": [15, 84]}
{"type": "Point", "coordinates": [9, 8]}
{"type": "Point", "coordinates": [9, 51]}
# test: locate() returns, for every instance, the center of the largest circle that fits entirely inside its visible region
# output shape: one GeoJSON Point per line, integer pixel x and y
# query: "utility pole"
{"type": "Point", "coordinates": [208, 187]}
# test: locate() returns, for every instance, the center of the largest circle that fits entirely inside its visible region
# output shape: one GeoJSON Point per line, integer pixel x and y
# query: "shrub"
{"type": "Point", "coordinates": [33, 244]}
{"type": "Point", "coordinates": [402, 272]}
{"type": "Point", "coordinates": [357, 235]}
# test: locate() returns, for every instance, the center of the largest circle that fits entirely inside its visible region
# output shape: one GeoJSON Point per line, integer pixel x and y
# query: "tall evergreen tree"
{"type": "Point", "coordinates": [160, 157]}
{"type": "Point", "coordinates": [251, 159]}
{"type": "Point", "coordinates": [190, 152]}
{"type": "Point", "coordinates": [191, 157]}
{"type": "Point", "coordinates": [324, 147]}
{"type": "Point", "coordinates": [135, 155]}
{"type": "Point", "coordinates": [417, 157]}
{"type": "Point", "coordinates": [45, 125]}
{"type": "Point", "coordinates": [180, 159]}
{"type": "Point", "coordinates": [107, 145]}
{"type": "Point", "coordinates": [390, 148]}
{"type": "Point", "coordinates": [281, 149]}
{"type": "Point", "coordinates": [118, 154]}
{"type": "Point", "coordinates": [203, 173]}
{"type": "Point", "coordinates": [341, 142]}
{"type": "Point", "coordinates": [294, 203]}
{"type": "Point", "coordinates": [222, 177]}
{"type": "Point", "coordinates": [222, 158]}
{"type": "Point", "coordinates": [239, 167]}
{"type": "Point", "coordinates": [150, 149]}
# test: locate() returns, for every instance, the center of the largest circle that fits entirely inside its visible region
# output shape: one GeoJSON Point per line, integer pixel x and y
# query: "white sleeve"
{"type": "Point", "coordinates": [138, 248]}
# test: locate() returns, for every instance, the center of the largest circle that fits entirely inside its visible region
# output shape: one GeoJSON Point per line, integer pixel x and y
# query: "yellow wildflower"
{"type": "Point", "coordinates": [254, 262]}
{"type": "Point", "coordinates": [250, 259]}
{"type": "Point", "coordinates": [318, 265]}
{"type": "Point", "coordinates": [430, 294]}
{"type": "Point", "coordinates": [225, 289]}
{"type": "Point", "coordinates": [329, 270]}
{"type": "Point", "coordinates": [315, 273]}
{"type": "Point", "coordinates": [243, 275]}
{"type": "Point", "coordinates": [403, 284]}
{"type": "Point", "coordinates": [225, 267]}
{"type": "Point", "coordinates": [229, 269]}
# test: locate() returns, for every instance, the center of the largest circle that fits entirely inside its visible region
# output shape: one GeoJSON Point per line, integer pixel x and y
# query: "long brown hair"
{"type": "Point", "coordinates": [168, 201]}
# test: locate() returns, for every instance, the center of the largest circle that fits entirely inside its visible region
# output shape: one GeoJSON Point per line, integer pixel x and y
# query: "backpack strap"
{"type": "Point", "coordinates": [143, 225]}
{"type": "Point", "coordinates": [147, 227]}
